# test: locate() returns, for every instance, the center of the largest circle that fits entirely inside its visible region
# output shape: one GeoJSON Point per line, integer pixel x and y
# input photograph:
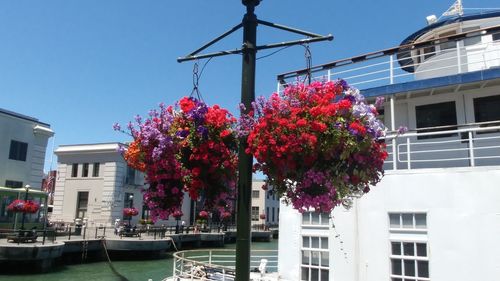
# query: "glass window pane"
{"type": "Point", "coordinates": [396, 279]}
{"type": "Point", "coordinates": [305, 218]}
{"type": "Point", "coordinates": [314, 274]}
{"type": "Point", "coordinates": [315, 242]}
{"type": "Point", "coordinates": [325, 259]}
{"type": "Point", "coordinates": [421, 220]}
{"type": "Point", "coordinates": [423, 269]}
{"type": "Point", "coordinates": [305, 242]}
{"type": "Point", "coordinates": [305, 257]}
{"type": "Point", "coordinates": [407, 220]}
{"type": "Point", "coordinates": [396, 267]}
{"type": "Point", "coordinates": [315, 218]}
{"type": "Point", "coordinates": [409, 267]}
{"type": "Point", "coordinates": [324, 242]}
{"type": "Point", "coordinates": [409, 249]}
{"type": "Point", "coordinates": [421, 249]}
{"type": "Point", "coordinates": [324, 219]}
{"type": "Point", "coordinates": [394, 219]}
{"type": "Point", "coordinates": [305, 274]}
{"type": "Point", "coordinates": [324, 275]}
{"type": "Point", "coordinates": [396, 248]}
{"type": "Point", "coordinates": [314, 258]}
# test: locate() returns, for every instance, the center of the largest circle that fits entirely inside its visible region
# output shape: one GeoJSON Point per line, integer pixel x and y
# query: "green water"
{"type": "Point", "coordinates": [132, 270]}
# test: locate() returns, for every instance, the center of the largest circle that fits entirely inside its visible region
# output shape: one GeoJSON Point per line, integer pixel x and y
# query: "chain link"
{"type": "Point", "coordinates": [308, 57]}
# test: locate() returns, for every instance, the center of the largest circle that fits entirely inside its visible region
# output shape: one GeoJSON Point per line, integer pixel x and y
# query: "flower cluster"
{"type": "Point", "coordinates": [187, 147]}
{"type": "Point", "coordinates": [203, 215]}
{"type": "Point", "coordinates": [317, 144]}
{"type": "Point", "coordinates": [23, 206]}
{"type": "Point", "coordinates": [177, 214]}
{"type": "Point", "coordinates": [130, 212]}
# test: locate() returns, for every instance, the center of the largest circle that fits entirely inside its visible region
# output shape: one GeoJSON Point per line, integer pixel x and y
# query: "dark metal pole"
{"type": "Point", "coordinates": [27, 188]}
{"type": "Point", "coordinates": [244, 203]}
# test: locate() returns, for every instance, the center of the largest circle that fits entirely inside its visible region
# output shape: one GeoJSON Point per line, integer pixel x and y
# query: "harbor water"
{"type": "Point", "coordinates": [131, 270]}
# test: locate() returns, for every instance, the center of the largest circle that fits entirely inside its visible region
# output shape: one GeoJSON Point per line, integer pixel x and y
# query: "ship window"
{"type": "Point", "coordinates": [496, 36]}
{"type": "Point", "coordinates": [447, 44]}
{"type": "Point", "coordinates": [475, 39]}
{"type": "Point", "coordinates": [429, 52]}
{"type": "Point", "coordinates": [486, 109]}
{"type": "Point", "coordinates": [436, 115]}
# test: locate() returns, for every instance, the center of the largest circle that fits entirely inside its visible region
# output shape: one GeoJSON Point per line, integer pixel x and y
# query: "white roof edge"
{"type": "Point", "coordinates": [100, 147]}
{"type": "Point", "coordinates": [43, 130]}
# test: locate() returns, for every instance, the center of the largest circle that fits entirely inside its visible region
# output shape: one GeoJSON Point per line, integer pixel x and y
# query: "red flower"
{"type": "Point", "coordinates": [187, 104]}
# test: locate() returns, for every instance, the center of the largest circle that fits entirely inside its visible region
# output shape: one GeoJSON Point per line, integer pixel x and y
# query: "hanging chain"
{"type": "Point", "coordinates": [196, 79]}
{"type": "Point", "coordinates": [308, 56]}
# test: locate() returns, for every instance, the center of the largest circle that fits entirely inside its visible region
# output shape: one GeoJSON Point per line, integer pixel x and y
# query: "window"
{"type": "Point", "coordinates": [18, 150]}
{"type": "Point", "coordinates": [486, 109]}
{"type": "Point", "coordinates": [496, 36]}
{"type": "Point", "coordinates": [95, 170]}
{"type": "Point", "coordinates": [475, 38]}
{"type": "Point", "coordinates": [130, 176]}
{"type": "Point", "coordinates": [255, 193]}
{"type": "Point", "coordinates": [409, 260]}
{"type": "Point", "coordinates": [85, 170]}
{"type": "Point", "coordinates": [408, 221]}
{"type": "Point", "coordinates": [273, 214]}
{"type": "Point", "coordinates": [315, 262]}
{"type": "Point", "coordinates": [429, 52]}
{"type": "Point", "coordinates": [81, 205]}
{"type": "Point", "coordinates": [74, 170]}
{"type": "Point", "coordinates": [278, 215]}
{"type": "Point", "coordinates": [267, 214]}
{"type": "Point", "coordinates": [313, 218]}
{"type": "Point", "coordinates": [435, 115]}
{"type": "Point", "coordinates": [13, 184]}
{"type": "Point", "coordinates": [408, 249]}
{"type": "Point", "coordinates": [447, 44]}
{"type": "Point", "coordinates": [255, 213]}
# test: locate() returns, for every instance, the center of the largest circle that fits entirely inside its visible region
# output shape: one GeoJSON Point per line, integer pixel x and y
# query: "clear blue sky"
{"type": "Point", "coordinates": [83, 65]}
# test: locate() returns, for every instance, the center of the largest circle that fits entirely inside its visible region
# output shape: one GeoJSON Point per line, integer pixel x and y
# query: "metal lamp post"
{"type": "Point", "coordinates": [131, 199]}
{"type": "Point", "coordinates": [27, 188]}
{"type": "Point", "coordinates": [249, 51]}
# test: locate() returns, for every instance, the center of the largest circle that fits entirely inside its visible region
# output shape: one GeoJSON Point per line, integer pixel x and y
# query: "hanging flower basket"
{"type": "Point", "coordinates": [262, 216]}
{"type": "Point", "coordinates": [189, 147]}
{"type": "Point", "coordinates": [317, 144]}
{"type": "Point", "coordinates": [225, 216]}
{"type": "Point", "coordinates": [130, 212]}
{"type": "Point", "coordinates": [203, 215]}
{"type": "Point", "coordinates": [23, 206]}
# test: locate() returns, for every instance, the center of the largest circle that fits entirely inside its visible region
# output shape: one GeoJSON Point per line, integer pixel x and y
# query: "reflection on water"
{"type": "Point", "coordinates": [132, 270]}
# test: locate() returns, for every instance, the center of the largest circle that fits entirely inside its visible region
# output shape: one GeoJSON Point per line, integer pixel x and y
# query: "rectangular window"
{"type": "Point", "coordinates": [18, 150]}
{"type": "Point", "coordinates": [473, 38]}
{"type": "Point", "coordinates": [447, 44]}
{"type": "Point", "coordinates": [267, 214]}
{"type": "Point", "coordinates": [95, 170]}
{"type": "Point", "coordinates": [85, 170]}
{"type": "Point", "coordinates": [273, 214]}
{"type": "Point", "coordinates": [409, 260]}
{"type": "Point", "coordinates": [74, 170]}
{"type": "Point", "coordinates": [13, 184]}
{"type": "Point", "coordinates": [496, 36]}
{"type": "Point", "coordinates": [408, 221]}
{"type": "Point", "coordinates": [255, 213]}
{"type": "Point", "coordinates": [130, 176]}
{"type": "Point", "coordinates": [315, 259]}
{"type": "Point", "coordinates": [429, 52]}
{"type": "Point", "coordinates": [436, 115]}
{"type": "Point", "coordinates": [487, 109]}
{"type": "Point", "coordinates": [255, 193]}
{"type": "Point", "coordinates": [81, 204]}
{"type": "Point", "coordinates": [315, 219]}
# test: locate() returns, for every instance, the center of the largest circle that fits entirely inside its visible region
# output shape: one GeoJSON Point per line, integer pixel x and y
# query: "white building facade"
{"type": "Point", "coordinates": [23, 144]}
{"type": "Point", "coordinates": [264, 204]}
{"type": "Point", "coordinates": [435, 215]}
{"type": "Point", "coordinates": [95, 184]}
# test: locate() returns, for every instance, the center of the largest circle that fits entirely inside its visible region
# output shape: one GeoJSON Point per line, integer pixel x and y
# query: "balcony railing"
{"type": "Point", "coordinates": [468, 145]}
{"type": "Point", "coordinates": [460, 53]}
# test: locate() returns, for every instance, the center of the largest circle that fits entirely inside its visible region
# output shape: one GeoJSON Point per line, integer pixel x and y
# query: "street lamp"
{"type": "Point", "coordinates": [27, 188]}
{"type": "Point", "coordinates": [131, 200]}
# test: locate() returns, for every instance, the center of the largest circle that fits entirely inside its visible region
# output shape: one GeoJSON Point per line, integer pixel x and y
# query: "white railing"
{"type": "Point", "coordinates": [217, 264]}
{"type": "Point", "coordinates": [382, 68]}
{"type": "Point", "coordinates": [445, 147]}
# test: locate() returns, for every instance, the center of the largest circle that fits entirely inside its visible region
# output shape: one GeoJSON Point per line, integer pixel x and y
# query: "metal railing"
{"type": "Point", "coordinates": [217, 264]}
{"type": "Point", "coordinates": [470, 145]}
{"type": "Point", "coordinates": [434, 58]}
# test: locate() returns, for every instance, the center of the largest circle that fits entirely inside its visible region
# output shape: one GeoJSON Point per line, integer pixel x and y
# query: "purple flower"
{"type": "Point", "coordinates": [402, 130]}
{"type": "Point", "coordinates": [379, 101]}
{"type": "Point", "coordinates": [116, 127]}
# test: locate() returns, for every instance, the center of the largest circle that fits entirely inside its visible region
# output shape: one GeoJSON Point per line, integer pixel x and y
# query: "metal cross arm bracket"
{"type": "Point", "coordinates": [312, 38]}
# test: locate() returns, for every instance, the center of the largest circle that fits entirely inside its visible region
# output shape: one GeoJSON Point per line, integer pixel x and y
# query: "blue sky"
{"type": "Point", "coordinates": [83, 65]}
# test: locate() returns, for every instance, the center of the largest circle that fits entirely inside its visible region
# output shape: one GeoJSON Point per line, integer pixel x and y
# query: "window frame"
{"type": "Point", "coordinates": [255, 193]}
{"type": "Point", "coordinates": [311, 251]}
{"type": "Point", "coordinates": [254, 214]}
{"type": "Point", "coordinates": [74, 170]}
{"type": "Point", "coordinates": [85, 170]}
{"type": "Point", "coordinates": [18, 150]}
{"type": "Point", "coordinates": [404, 257]}
{"type": "Point", "coordinates": [321, 220]}
{"type": "Point", "coordinates": [427, 129]}
{"type": "Point", "coordinates": [79, 208]}
{"type": "Point", "coordinates": [13, 184]}
{"type": "Point", "coordinates": [96, 169]}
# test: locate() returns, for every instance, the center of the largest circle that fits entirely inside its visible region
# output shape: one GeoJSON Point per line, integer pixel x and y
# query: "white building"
{"type": "Point", "coordinates": [436, 214]}
{"type": "Point", "coordinates": [23, 144]}
{"type": "Point", "coordinates": [264, 202]}
{"type": "Point", "coordinates": [95, 183]}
